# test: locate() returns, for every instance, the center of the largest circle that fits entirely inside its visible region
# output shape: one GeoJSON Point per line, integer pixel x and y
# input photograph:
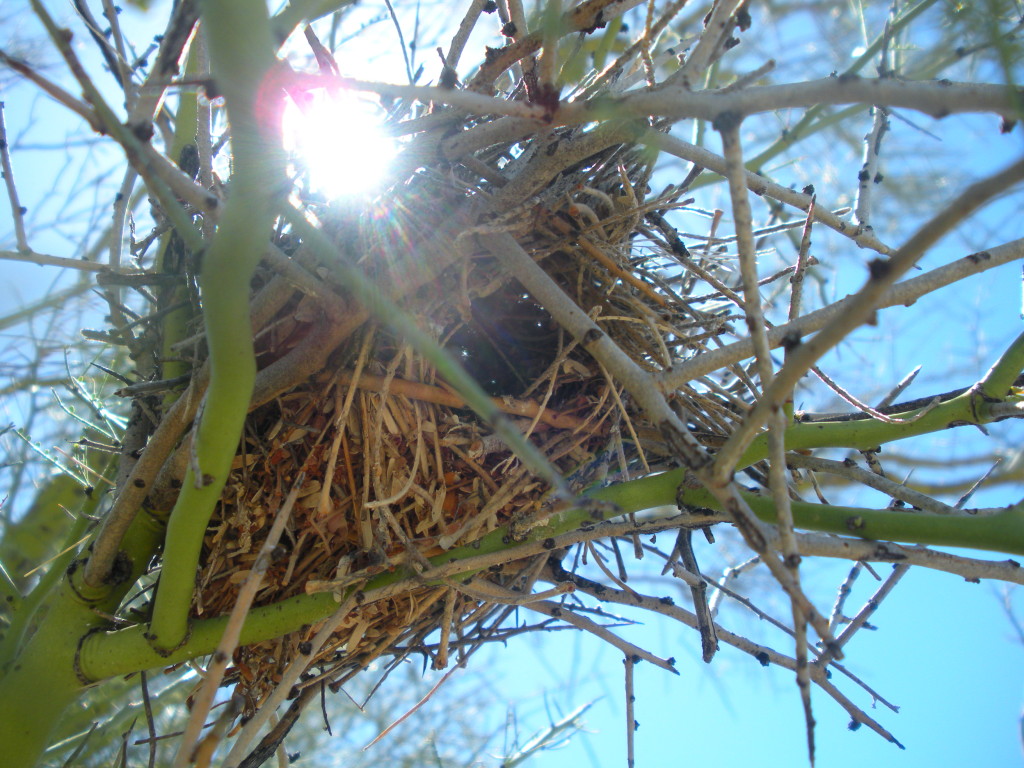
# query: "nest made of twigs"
{"type": "Point", "coordinates": [396, 469]}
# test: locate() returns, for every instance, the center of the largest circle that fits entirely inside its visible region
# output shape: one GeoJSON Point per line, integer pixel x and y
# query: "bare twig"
{"type": "Point", "coordinates": [896, 391]}
{"type": "Point", "coordinates": [858, 621]}
{"type": "Point", "coordinates": [629, 662]}
{"type": "Point", "coordinates": [762, 186]}
{"type": "Point", "coordinates": [842, 594]}
{"type": "Point", "coordinates": [583, 16]}
{"type": "Point", "coordinates": [863, 304]}
{"type": "Point", "coordinates": [763, 654]}
{"type": "Point", "coordinates": [935, 98]}
{"type": "Point", "coordinates": [698, 591]}
{"type": "Point", "coordinates": [489, 592]}
{"type": "Point", "coordinates": [17, 211]}
{"type": "Point", "coordinates": [53, 91]}
{"type": "Point", "coordinates": [45, 260]}
{"type": "Point", "coordinates": [970, 491]}
{"type": "Point", "coordinates": [444, 678]}
{"type": "Point", "coordinates": [288, 678]}
{"type": "Point", "coordinates": [563, 613]}
{"type": "Point", "coordinates": [728, 125]}
{"type": "Point", "coordinates": [869, 176]}
{"type": "Point", "coordinates": [802, 260]}
{"type": "Point", "coordinates": [851, 471]}
{"type": "Point", "coordinates": [460, 38]}
{"type": "Point", "coordinates": [717, 30]}
{"type": "Point", "coordinates": [969, 568]}
{"type": "Point", "coordinates": [203, 700]}
{"type": "Point", "coordinates": [148, 708]}
{"type": "Point", "coordinates": [865, 408]}
{"type": "Point", "coordinates": [904, 293]}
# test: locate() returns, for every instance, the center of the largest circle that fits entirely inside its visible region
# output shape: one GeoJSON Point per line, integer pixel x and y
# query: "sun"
{"type": "Point", "coordinates": [337, 138]}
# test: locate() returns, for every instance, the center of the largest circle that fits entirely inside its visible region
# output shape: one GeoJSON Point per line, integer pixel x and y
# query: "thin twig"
{"type": "Point", "coordinates": [45, 260]}
{"type": "Point", "coordinates": [717, 29]}
{"type": "Point", "coordinates": [728, 126]}
{"type": "Point", "coordinates": [762, 186]}
{"type": "Point", "coordinates": [883, 274]}
{"type": "Point", "coordinates": [148, 708]}
{"type": "Point", "coordinates": [463, 99]}
{"type": "Point", "coordinates": [461, 37]}
{"type": "Point", "coordinates": [872, 604]}
{"type": "Point", "coordinates": [932, 97]}
{"type": "Point", "coordinates": [970, 491]}
{"type": "Point", "coordinates": [890, 487]}
{"type": "Point", "coordinates": [763, 654]}
{"type": "Point", "coordinates": [17, 210]}
{"type": "Point", "coordinates": [562, 612]}
{"type": "Point", "coordinates": [968, 568]}
{"type": "Point", "coordinates": [631, 725]}
{"type": "Point", "coordinates": [53, 91]}
{"type": "Point", "coordinates": [904, 293]}
{"type": "Point", "coordinates": [123, 67]}
{"type": "Point", "coordinates": [729, 574]}
{"type": "Point", "coordinates": [864, 407]}
{"type": "Point", "coordinates": [415, 707]}
{"type": "Point", "coordinates": [698, 592]}
{"type": "Point", "coordinates": [401, 42]}
{"type": "Point", "coordinates": [896, 391]}
{"type": "Point", "coordinates": [288, 678]}
{"type": "Point", "coordinates": [803, 254]}
{"type": "Point", "coordinates": [869, 176]}
{"type": "Point", "coordinates": [203, 700]}
{"type": "Point", "coordinates": [485, 591]}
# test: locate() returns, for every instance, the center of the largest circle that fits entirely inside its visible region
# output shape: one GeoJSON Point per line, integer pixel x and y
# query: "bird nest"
{"type": "Point", "coordinates": [395, 469]}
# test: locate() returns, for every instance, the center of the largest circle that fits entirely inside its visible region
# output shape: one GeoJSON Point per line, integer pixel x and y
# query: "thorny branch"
{"type": "Point", "coordinates": [522, 161]}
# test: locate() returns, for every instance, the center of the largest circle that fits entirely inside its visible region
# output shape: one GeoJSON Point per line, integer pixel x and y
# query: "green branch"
{"type": "Point", "coordinates": [44, 678]}
{"type": "Point", "coordinates": [173, 253]}
{"type": "Point", "coordinates": [42, 682]}
{"type": "Point", "coordinates": [866, 433]}
{"type": "Point", "coordinates": [126, 650]}
{"type": "Point", "coordinates": [241, 49]}
{"type": "Point", "coordinates": [995, 385]}
{"type": "Point", "coordinates": [23, 612]}
{"type": "Point", "coordinates": [999, 532]}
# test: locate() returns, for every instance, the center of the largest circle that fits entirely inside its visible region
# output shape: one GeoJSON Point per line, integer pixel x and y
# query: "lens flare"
{"type": "Point", "coordinates": [338, 140]}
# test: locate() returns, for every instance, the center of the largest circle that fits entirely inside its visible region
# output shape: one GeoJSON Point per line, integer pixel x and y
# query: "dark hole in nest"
{"type": "Point", "coordinates": [510, 341]}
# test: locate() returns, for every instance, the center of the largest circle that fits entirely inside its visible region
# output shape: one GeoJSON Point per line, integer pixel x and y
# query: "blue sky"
{"type": "Point", "coordinates": [944, 653]}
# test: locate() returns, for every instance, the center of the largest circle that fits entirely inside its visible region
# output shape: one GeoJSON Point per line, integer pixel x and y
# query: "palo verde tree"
{"type": "Point", "coordinates": [569, 327]}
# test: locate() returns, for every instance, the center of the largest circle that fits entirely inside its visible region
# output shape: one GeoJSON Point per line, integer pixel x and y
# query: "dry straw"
{"type": "Point", "coordinates": [397, 468]}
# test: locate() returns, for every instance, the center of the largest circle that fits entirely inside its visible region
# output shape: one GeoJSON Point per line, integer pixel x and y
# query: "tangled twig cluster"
{"type": "Point", "coordinates": [471, 384]}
